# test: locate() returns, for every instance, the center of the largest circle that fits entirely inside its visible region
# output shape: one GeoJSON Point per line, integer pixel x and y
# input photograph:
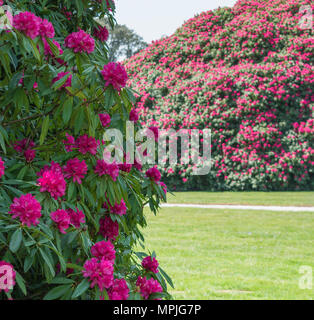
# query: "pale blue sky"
{"type": "Point", "coordinates": [152, 19]}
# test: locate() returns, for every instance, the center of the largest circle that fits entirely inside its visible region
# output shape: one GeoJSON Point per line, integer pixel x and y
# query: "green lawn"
{"type": "Point", "coordinates": [245, 198]}
{"type": "Point", "coordinates": [233, 254]}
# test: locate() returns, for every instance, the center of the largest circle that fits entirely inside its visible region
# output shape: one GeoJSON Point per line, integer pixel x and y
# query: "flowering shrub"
{"type": "Point", "coordinates": [247, 74]}
{"type": "Point", "coordinates": [69, 221]}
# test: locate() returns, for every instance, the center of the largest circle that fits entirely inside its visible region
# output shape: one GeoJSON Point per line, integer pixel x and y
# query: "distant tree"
{"type": "Point", "coordinates": [123, 43]}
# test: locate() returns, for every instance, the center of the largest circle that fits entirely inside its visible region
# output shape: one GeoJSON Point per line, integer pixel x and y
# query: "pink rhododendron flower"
{"type": "Point", "coordinates": [46, 29]}
{"type": "Point", "coordinates": [80, 42]}
{"type": "Point", "coordinates": [62, 219]}
{"type": "Point", "coordinates": [75, 169]}
{"type": "Point", "coordinates": [69, 143]}
{"type": "Point", "coordinates": [134, 115]}
{"type": "Point", "coordinates": [105, 119]}
{"type": "Point", "coordinates": [87, 144]}
{"type": "Point", "coordinates": [148, 287]}
{"type": "Point", "coordinates": [125, 167]}
{"type": "Point", "coordinates": [76, 217]}
{"type": "Point", "coordinates": [103, 168]}
{"type": "Point", "coordinates": [1, 167]}
{"type": "Point", "coordinates": [119, 290]}
{"type": "Point", "coordinates": [27, 209]}
{"type": "Point", "coordinates": [104, 249]}
{"type": "Point", "coordinates": [114, 74]}
{"type": "Point", "coordinates": [109, 229]}
{"type": "Point", "coordinates": [99, 273]}
{"type": "Point", "coordinates": [68, 81]}
{"type": "Point", "coordinates": [7, 276]}
{"type": "Point", "coordinates": [154, 174]}
{"type": "Point", "coordinates": [150, 264]}
{"type": "Point", "coordinates": [52, 181]}
{"type": "Point", "coordinates": [23, 145]}
{"type": "Point", "coordinates": [29, 155]}
{"type": "Point", "coordinates": [27, 23]}
{"type": "Point", "coordinates": [118, 208]}
{"type": "Point", "coordinates": [101, 33]}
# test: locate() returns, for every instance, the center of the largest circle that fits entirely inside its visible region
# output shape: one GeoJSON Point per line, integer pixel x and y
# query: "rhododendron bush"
{"type": "Point", "coordinates": [247, 74]}
{"type": "Point", "coordinates": [70, 222]}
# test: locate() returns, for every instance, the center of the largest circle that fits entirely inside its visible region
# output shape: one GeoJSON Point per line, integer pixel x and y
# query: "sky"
{"type": "Point", "coordinates": [152, 19]}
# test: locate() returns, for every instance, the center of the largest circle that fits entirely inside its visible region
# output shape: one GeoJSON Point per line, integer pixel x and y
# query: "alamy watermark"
{"type": "Point", "coordinates": [187, 147]}
{"type": "Point", "coordinates": [306, 279]}
{"type": "Point", "coordinates": [6, 17]}
{"type": "Point", "coordinates": [306, 21]}
{"type": "Point", "coordinates": [6, 278]}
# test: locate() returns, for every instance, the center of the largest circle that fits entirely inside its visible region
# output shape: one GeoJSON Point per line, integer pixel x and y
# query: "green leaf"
{"type": "Point", "coordinates": [16, 240]}
{"type": "Point", "coordinates": [81, 288]}
{"type": "Point", "coordinates": [48, 262]}
{"type": "Point", "coordinates": [61, 280]}
{"type": "Point", "coordinates": [44, 130]}
{"type": "Point", "coordinates": [165, 275]}
{"type": "Point", "coordinates": [67, 110]}
{"type": "Point", "coordinates": [20, 281]}
{"type": "Point", "coordinates": [57, 292]}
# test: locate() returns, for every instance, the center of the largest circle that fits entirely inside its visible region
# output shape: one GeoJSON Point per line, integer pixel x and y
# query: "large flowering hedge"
{"type": "Point", "coordinates": [70, 222]}
{"type": "Point", "coordinates": [247, 74]}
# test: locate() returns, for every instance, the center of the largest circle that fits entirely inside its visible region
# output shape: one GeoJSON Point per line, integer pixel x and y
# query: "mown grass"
{"type": "Point", "coordinates": [245, 198]}
{"type": "Point", "coordinates": [233, 254]}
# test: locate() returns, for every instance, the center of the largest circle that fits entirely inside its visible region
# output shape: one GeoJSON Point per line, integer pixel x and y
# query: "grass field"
{"type": "Point", "coordinates": [245, 198]}
{"type": "Point", "coordinates": [233, 254]}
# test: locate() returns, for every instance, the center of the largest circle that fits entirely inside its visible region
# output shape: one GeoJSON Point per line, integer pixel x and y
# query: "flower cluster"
{"type": "Point", "coordinates": [154, 174]}
{"type": "Point", "coordinates": [107, 169]}
{"type": "Point", "coordinates": [148, 287]}
{"type": "Point", "coordinates": [80, 42]}
{"type": "Point", "coordinates": [75, 169]}
{"type": "Point", "coordinates": [114, 74]}
{"type": "Point", "coordinates": [25, 147]}
{"type": "Point", "coordinates": [27, 209]}
{"type": "Point", "coordinates": [109, 229]}
{"type": "Point", "coordinates": [119, 209]}
{"type": "Point", "coordinates": [101, 33]}
{"type": "Point", "coordinates": [150, 264]}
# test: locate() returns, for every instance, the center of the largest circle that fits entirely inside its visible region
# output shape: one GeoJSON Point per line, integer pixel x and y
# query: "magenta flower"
{"type": "Point", "coordinates": [105, 119]}
{"type": "Point", "coordinates": [29, 155]}
{"type": "Point", "coordinates": [134, 115]}
{"type": "Point", "coordinates": [80, 42]}
{"type": "Point", "coordinates": [148, 287]}
{"type": "Point", "coordinates": [154, 174]}
{"type": "Point", "coordinates": [110, 169]}
{"type": "Point", "coordinates": [119, 290]}
{"type": "Point", "coordinates": [75, 169]}
{"type": "Point", "coordinates": [114, 74]}
{"type": "Point", "coordinates": [104, 249]}
{"type": "Point", "coordinates": [101, 33]}
{"type": "Point", "coordinates": [150, 264]}
{"type": "Point", "coordinates": [52, 181]}
{"type": "Point", "coordinates": [68, 81]}
{"type": "Point", "coordinates": [87, 144]}
{"type": "Point", "coordinates": [62, 219]}
{"type": "Point", "coordinates": [109, 229]}
{"type": "Point", "coordinates": [27, 209]}
{"type": "Point", "coordinates": [27, 23]}
{"type": "Point", "coordinates": [163, 187]}
{"type": "Point", "coordinates": [8, 275]}
{"type": "Point", "coordinates": [1, 167]}
{"type": "Point", "coordinates": [99, 273]}
{"type": "Point", "coordinates": [76, 217]}
{"type": "Point", "coordinates": [46, 29]}
{"type": "Point", "coordinates": [69, 143]}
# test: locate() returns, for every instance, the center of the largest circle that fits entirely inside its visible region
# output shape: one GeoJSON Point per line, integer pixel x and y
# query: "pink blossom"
{"type": "Point", "coordinates": [99, 273]}
{"type": "Point", "coordinates": [7, 275]}
{"type": "Point", "coordinates": [1, 167]}
{"type": "Point", "coordinates": [68, 81]}
{"type": "Point", "coordinates": [148, 287]}
{"type": "Point", "coordinates": [119, 290]}
{"type": "Point", "coordinates": [62, 219]}
{"type": "Point", "coordinates": [87, 144]}
{"type": "Point", "coordinates": [29, 155]}
{"type": "Point", "coordinates": [105, 119]}
{"type": "Point", "coordinates": [80, 42]}
{"type": "Point", "coordinates": [46, 29]}
{"type": "Point", "coordinates": [109, 229]}
{"type": "Point", "coordinates": [154, 174]}
{"type": "Point", "coordinates": [101, 33]}
{"type": "Point", "coordinates": [134, 115]}
{"type": "Point", "coordinates": [163, 186]}
{"type": "Point", "coordinates": [75, 169]}
{"type": "Point", "coordinates": [118, 208]}
{"type": "Point", "coordinates": [150, 264]}
{"type": "Point", "coordinates": [27, 23]}
{"type": "Point", "coordinates": [104, 249]}
{"type": "Point", "coordinates": [110, 169]}
{"type": "Point", "coordinates": [69, 143]}
{"type": "Point", "coordinates": [76, 217]}
{"type": "Point", "coordinates": [27, 209]}
{"type": "Point", "coordinates": [114, 74]}
{"type": "Point", "coordinates": [52, 181]}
